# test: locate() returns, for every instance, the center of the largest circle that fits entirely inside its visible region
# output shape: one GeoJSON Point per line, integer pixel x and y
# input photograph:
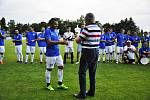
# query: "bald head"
{"type": "Point", "coordinates": [89, 18]}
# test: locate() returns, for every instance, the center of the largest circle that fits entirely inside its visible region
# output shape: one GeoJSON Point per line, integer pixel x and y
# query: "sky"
{"type": "Point", "coordinates": [105, 11]}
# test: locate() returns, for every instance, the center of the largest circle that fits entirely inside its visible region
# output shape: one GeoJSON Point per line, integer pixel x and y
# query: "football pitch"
{"type": "Point", "coordinates": [113, 82]}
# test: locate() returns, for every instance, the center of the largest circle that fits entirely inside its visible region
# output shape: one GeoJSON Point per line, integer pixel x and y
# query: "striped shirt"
{"type": "Point", "coordinates": [90, 36]}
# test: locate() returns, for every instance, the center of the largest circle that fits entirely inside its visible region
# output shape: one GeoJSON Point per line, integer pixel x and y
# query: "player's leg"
{"type": "Point", "coordinates": [2, 51]}
{"type": "Point", "coordinates": [27, 54]}
{"type": "Point", "coordinates": [32, 53]}
{"type": "Point", "coordinates": [41, 54]}
{"type": "Point", "coordinates": [49, 66]}
{"type": "Point", "coordinates": [66, 53]}
{"type": "Point", "coordinates": [113, 51]}
{"type": "Point", "coordinates": [44, 50]}
{"type": "Point", "coordinates": [59, 62]}
{"type": "Point", "coordinates": [71, 50]}
{"type": "Point", "coordinates": [20, 52]}
{"type": "Point", "coordinates": [107, 53]}
{"type": "Point", "coordinates": [121, 54]}
{"type": "Point", "coordinates": [110, 53]}
{"type": "Point", "coordinates": [118, 55]}
{"type": "Point", "coordinates": [78, 53]}
{"type": "Point", "coordinates": [103, 55]}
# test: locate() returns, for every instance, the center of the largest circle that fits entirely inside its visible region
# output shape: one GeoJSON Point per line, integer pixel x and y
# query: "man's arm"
{"type": "Point", "coordinates": [50, 42]}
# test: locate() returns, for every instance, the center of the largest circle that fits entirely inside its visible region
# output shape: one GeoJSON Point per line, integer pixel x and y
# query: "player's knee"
{"type": "Point", "coordinates": [60, 67]}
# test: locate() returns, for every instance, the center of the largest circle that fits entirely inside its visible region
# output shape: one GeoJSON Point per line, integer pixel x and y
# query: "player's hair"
{"type": "Point", "coordinates": [52, 20]}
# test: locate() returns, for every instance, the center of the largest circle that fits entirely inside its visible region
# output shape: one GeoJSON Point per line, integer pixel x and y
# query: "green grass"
{"type": "Point", "coordinates": [114, 82]}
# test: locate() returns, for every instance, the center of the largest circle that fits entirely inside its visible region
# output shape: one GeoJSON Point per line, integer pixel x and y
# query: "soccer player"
{"type": "Point", "coordinates": [42, 44]}
{"type": "Point", "coordinates": [135, 40]}
{"type": "Point", "coordinates": [18, 46]}
{"type": "Point", "coordinates": [90, 37]}
{"type": "Point", "coordinates": [102, 47]}
{"type": "Point", "coordinates": [69, 37]}
{"type": "Point", "coordinates": [2, 48]}
{"type": "Point", "coordinates": [120, 43]}
{"type": "Point", "coordinates": [145, 38]}
{"type": "Point", "coordinates": [79, 48]}
{"type": "Point", "coordinates": [108, 44]}
{"type": "Point", "coordinates": [144, 51]}
{"type": "Point", "coordinates": [53, 54]}
{"type": "Point", "coordinates": [31, 38]}
{"type": "Point", "coordinates": [113, 43]}
{"type": "Point", "coordinates": [127, 36]}
{"type": "Point", "coordinates": [129, 53]}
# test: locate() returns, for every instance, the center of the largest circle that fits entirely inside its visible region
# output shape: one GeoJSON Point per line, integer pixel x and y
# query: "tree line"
{"type": "Point", "coordinates": [127, 24]}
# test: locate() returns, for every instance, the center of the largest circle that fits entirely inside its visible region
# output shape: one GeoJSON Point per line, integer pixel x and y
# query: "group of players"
{"type": "Point", "coordinates": [123, 46]}
{"type": "Point", "coordinates": [120, 47]}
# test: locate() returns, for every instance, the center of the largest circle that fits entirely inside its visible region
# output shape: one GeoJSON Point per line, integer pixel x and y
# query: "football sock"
{"type": "Point", "coordinates": [41, 56]}
{"type": "Point", "coordinates": [107, 56]}
{"type": "Point", "coordinates": [48, 76]}
{"type": "Point", "coordinates": [60, 75]}
{"type": "Point", "coordinates": [27, 56]}
{"type": "Point", "coordinates": [32, 57]}
{"type": "Point", "coordinates": [18, 56]}
{"type": "Point", "coordinates": [21, 56]}
{"type": "Point", "coordinates": [117, 57]}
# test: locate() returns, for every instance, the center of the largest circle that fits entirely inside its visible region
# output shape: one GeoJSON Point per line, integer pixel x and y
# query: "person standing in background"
{"type": "Point", "coordinates": [2, 47]}
{"type": "Point", "coordinates": [31, 38]}
{"type": "Point", "coordinates": [42, 44]}
{"type": "Point", "coordinates": [69, 37]}
{"type": "Point", "coordinates": [18, 46]}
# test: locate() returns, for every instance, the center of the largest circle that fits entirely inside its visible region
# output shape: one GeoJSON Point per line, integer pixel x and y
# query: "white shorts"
{"type": "Point", "coordinates": [69, 49]}
{"type": "Point", "coordinates": [2, 49]}
{"type": "Point", "coordinates": [18, 49]}
{"type": "Point", "coordinates": [101, 51]}
{"type": "Point", "coordinates": [30, 49]}
{"type": "Point", "coordinates": [79, 48]}
{"type": "Point", "coordinates": [108, 49]}
{"type": "Point", "coordinates": [119, 49]}
{"type": "Point", "coordinates": [42, 49]}
{"type": "Point", "coordinates": [50, 61]}
{"type": "Point", "coordinates": [114, 48]}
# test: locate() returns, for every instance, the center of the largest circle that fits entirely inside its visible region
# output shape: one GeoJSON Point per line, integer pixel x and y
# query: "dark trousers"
{"type": "Point", "coordinates": [88, 60]}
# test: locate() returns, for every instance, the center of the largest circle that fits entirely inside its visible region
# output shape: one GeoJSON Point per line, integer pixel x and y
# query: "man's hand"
{"type": "Point", "coordinates": [63, 42]}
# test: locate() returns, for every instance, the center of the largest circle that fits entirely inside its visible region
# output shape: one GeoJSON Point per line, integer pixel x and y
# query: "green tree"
{"type": "Point", "coordinates": [3, 23]}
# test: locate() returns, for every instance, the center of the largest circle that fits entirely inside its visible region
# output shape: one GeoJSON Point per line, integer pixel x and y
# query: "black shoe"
{"type": "Point", "coordinates": [89, 94]}
{"type": "Point", "coordinates": [79, 96]}
{"type": "Point", "coordinates": [21, 61]}
{"type": "Point", "coordinates": [32, 63]}
{"type": "Point", "coordinates": [18, 61]}
{"type": "Point", "coordinates": [72, 62]}
{"type": "Point", "coordinates": [41, 62]}
{"type": "Point", "coordinates": [26, 62]}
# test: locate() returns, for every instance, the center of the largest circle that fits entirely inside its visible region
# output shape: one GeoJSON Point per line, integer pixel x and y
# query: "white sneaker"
{"type": "Point", "coordinates": [77, 62]}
